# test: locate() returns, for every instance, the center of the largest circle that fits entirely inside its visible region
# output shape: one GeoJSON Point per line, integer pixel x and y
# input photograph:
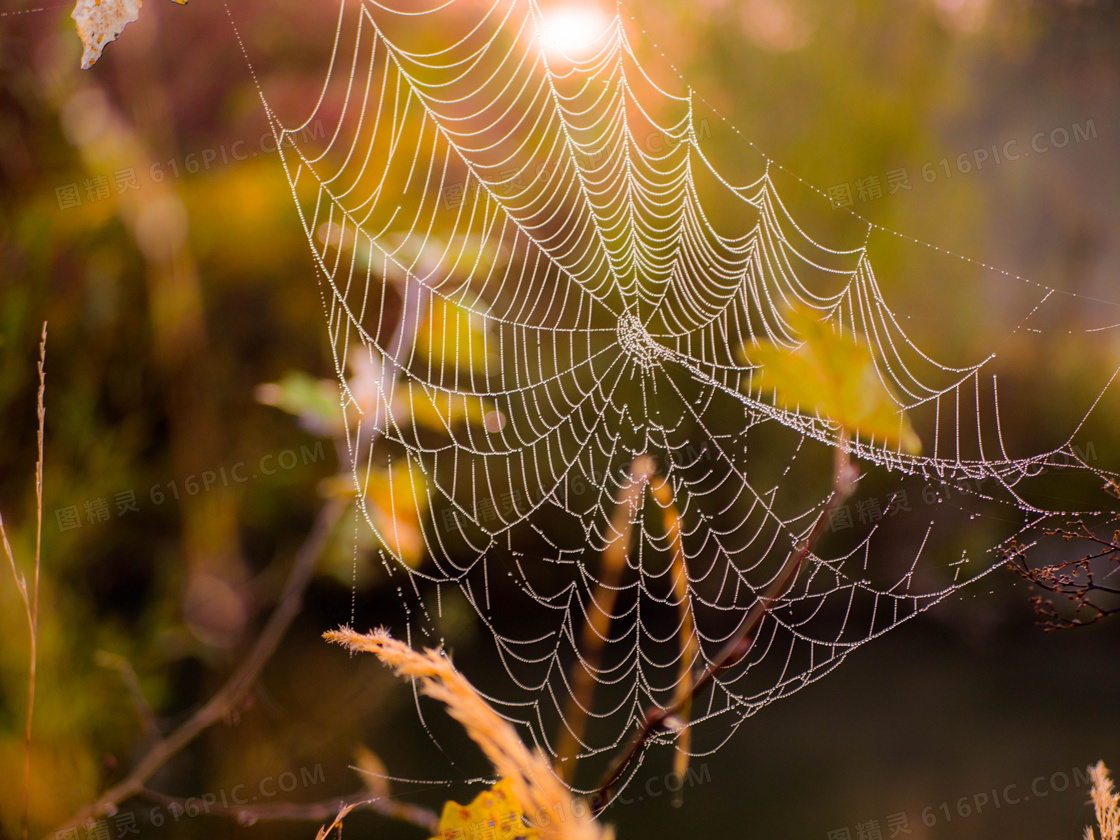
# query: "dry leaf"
{"type": "Point", "coordinates": [101, 21]}
{"type": "Point", "coordinates": [493, 813]}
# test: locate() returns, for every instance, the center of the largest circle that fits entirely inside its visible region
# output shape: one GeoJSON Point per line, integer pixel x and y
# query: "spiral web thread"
{"type": "Point", "coordinates": [500, 242]}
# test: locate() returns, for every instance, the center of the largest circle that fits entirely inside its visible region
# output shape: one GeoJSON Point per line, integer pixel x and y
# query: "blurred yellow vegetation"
{"type": "Point", "coordinates": [397, 501]}
{"type": "Point", "coordinates": [454, 335]}
{"type": "Point", "coordinates": [834, 375]}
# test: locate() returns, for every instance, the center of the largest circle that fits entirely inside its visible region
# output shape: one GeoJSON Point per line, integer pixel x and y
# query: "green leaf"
{"type": "Point", "coordinates": [314, 401]}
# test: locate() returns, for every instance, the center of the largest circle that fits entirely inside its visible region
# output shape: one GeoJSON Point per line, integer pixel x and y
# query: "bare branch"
{"type": "Point", "coordinates": [307, 812]}
{"type": "Point", "coordinates": [1072, 580]}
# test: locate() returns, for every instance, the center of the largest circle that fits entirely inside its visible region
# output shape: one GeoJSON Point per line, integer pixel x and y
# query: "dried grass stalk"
{"type": "Point", "coordinates": [1106, 804]}
{"type": "Point", "coordinates": [543, 796]}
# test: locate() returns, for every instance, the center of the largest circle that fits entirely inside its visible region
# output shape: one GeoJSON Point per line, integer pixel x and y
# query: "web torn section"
{"type": "Point", "coordinates": [535, 276]}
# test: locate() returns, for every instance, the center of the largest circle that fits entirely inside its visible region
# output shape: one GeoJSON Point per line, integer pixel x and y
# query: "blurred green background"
{"type": "Point", "coordinates": [170, 303]}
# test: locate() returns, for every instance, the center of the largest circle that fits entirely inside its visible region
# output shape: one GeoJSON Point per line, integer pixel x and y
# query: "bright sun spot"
{"type": "Point", "coordinates": [571, 29]}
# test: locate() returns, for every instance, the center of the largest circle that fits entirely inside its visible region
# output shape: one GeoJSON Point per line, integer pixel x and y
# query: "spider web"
{"type": "Point", "coordinates": [535, 252]}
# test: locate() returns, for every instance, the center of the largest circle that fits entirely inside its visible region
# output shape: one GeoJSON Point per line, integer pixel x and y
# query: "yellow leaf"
{"type": "Point", "coordinates": [493, 813]}
{"type": "Point", "coordinates": [834, 376]}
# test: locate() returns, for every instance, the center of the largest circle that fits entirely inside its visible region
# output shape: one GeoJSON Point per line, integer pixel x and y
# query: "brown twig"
{"type": "Point", "coordinates": [1071, 579]}
{"type": "Point", "coordinates": [304, 812]}
{"type": "Point", "coordinates": [239, 683]}
{"type": "Point", "coordinates": [843, 483]}
{"type": "Point", "coordinates": [31, 601]}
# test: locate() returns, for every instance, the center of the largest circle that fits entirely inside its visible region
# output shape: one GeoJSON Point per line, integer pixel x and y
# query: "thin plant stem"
{"type": "Point", "coordinates": [21, 585]}
{"type": "Point", "coordinates": [42, 412]}
{"type": "Point", "coordinates": [689, 646]}
{"type": "Point", "coordinates": [31, 600]}
{"type": "Point", "coordinates": [596, 627]}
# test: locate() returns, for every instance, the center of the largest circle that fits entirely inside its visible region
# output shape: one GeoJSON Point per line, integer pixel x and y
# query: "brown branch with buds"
{"type": "Point", "coordinates": [1073, 580]}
